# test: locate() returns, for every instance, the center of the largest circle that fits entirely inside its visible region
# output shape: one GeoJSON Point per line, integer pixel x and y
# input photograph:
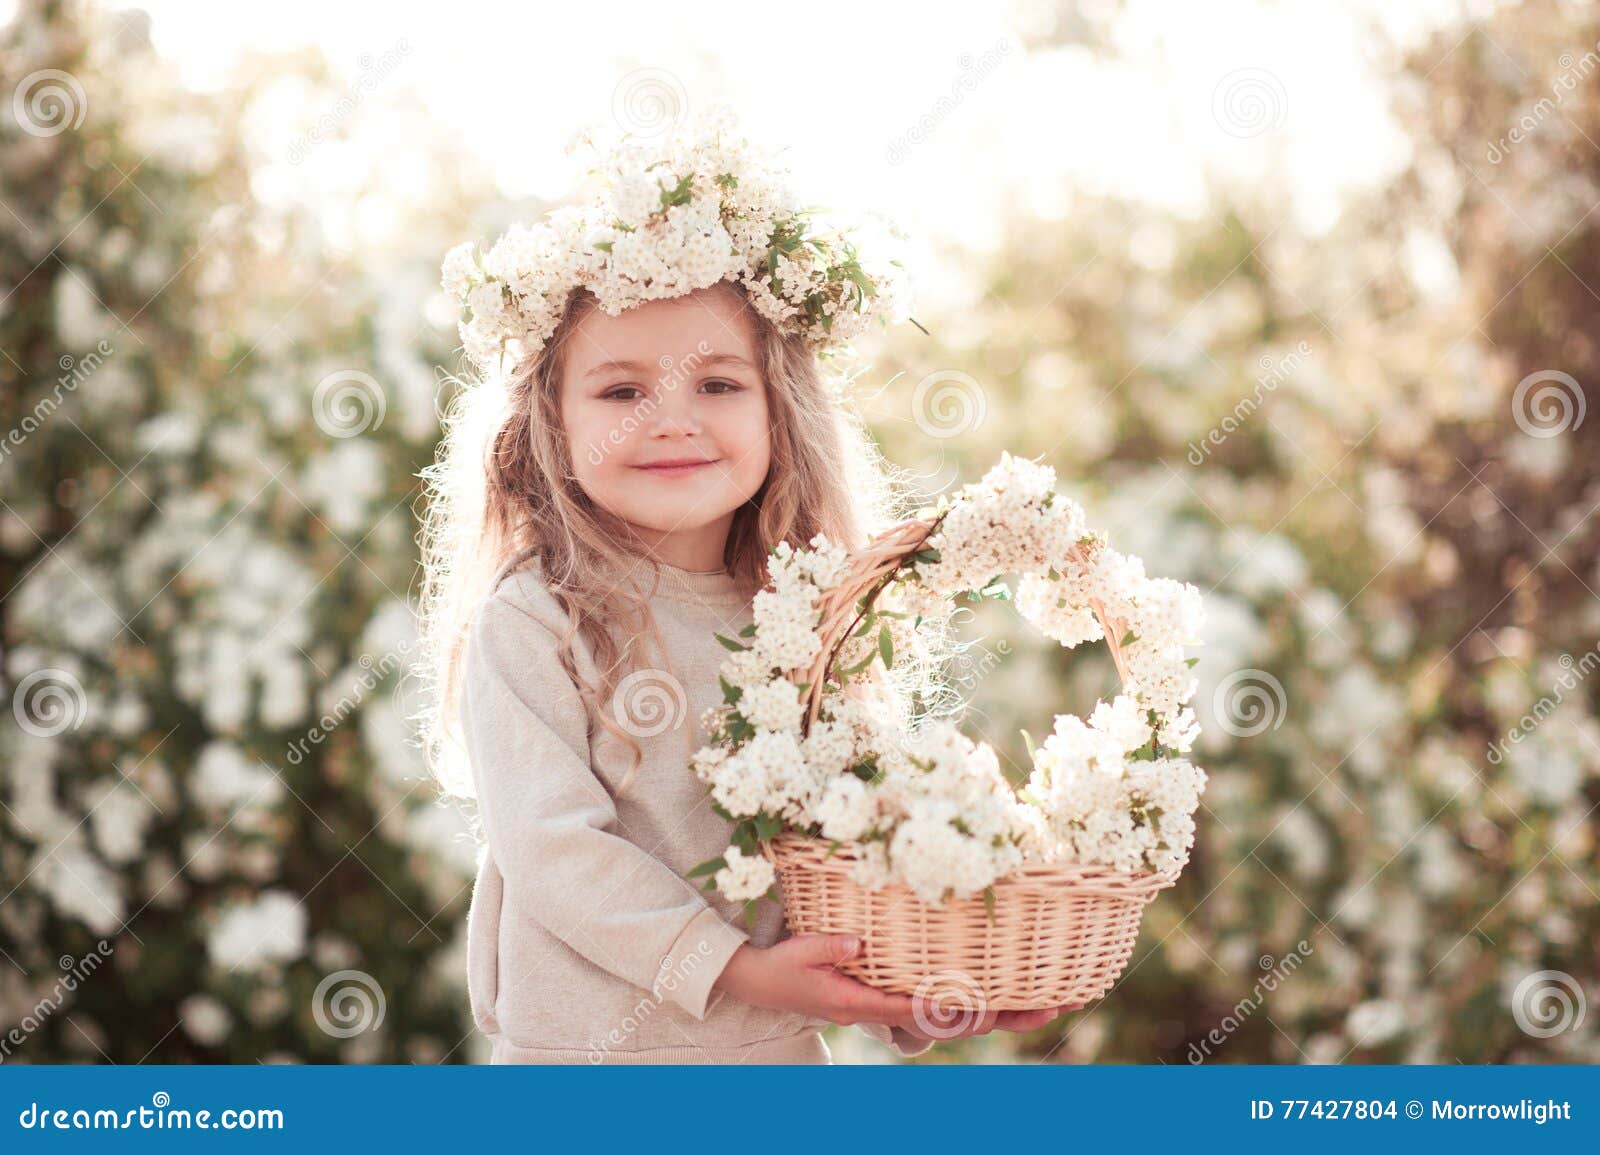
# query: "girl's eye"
{"type": "Point", "coordinates": [631, 392]}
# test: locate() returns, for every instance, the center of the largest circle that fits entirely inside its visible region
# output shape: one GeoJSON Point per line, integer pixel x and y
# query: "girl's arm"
{"type": "Point", "coordinates": [548, 820]}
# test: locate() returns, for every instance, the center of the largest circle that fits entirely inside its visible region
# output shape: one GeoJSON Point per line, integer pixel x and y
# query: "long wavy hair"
{"type": "Point", "coordinates": [503, 492]}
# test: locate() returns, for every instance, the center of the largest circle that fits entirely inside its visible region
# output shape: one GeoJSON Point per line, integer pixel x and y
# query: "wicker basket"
{"type": "Point", "coordinates": [1059, 934]}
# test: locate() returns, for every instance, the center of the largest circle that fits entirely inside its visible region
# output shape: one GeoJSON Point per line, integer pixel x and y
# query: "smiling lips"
{"type": "Point", "coordinates": [676, 466]}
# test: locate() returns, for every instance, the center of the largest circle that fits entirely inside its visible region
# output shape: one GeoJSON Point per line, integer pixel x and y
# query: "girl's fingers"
{"type": "Point", "coordinates": [870, 1003]}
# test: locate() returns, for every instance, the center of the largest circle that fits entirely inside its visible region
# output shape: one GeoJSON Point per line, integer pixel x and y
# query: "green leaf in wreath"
{"type": "Point", "coordinates": [680, 195]}
{"type": "Point", "coordinates": [749, 631]}
{"type": "Point", "coordinates": [1129, 638]}
{"type": "Point", "coordinates": [886, 647]}
{"type": "Point", "coordinates": [736, 647]}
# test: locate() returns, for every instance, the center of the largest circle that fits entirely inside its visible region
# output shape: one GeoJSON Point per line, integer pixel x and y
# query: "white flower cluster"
{"type": "Point", "coordinates": [671, 217]}
{"type": "Point", "coordinates": [745, 877]}
{"type": "Point", "coordinates": [1107, 808]}
{"type": "Point", "coordinates": [932, 809]}
{"type": "Point", "coordinates": [1012, 521]}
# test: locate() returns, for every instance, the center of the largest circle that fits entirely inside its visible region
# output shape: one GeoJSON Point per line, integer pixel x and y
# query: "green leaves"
{"type": "Point", "coordinates": [710, 866]}
{"type": "Point", "coordinates": [995, 590]}
{"type": "Point", "coordinates": [681, 194]}
{"type": "Point", "coordinates": [886, 647]}
{"type": "Point", "coordinates": [729, 643]}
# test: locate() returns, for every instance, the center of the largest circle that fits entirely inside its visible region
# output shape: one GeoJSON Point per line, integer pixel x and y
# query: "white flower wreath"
{"type": "Point", "coordinates": [928, 806]}
{"type": "Point", "coordinates": [670, 217]}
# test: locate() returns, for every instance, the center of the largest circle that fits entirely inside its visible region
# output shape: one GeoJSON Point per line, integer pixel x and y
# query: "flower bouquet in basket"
{"type": "Point", "coordinates": [902, 830]}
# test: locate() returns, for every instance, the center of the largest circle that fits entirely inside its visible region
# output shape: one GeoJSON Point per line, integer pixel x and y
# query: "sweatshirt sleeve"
{"type": "Point", "coordinates": [553, 830]}
{"type": "Point", "coordinates": [904, 1042]}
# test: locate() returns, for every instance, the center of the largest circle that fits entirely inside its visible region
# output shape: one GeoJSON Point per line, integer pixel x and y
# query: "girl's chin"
{"type": "Point", "coordinates": [679, 516]}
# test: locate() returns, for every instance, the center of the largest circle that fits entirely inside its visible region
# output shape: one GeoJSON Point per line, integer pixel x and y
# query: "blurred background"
{"type": "Point", "coordinates": [1301, 300]}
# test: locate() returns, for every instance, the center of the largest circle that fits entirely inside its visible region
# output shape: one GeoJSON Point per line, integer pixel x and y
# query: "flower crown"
{"type": "Point", "coordinates": [670, 218]}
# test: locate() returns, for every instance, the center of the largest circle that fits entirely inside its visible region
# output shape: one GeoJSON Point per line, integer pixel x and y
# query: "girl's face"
{"type": "Point", "coordinates": [666, 418]}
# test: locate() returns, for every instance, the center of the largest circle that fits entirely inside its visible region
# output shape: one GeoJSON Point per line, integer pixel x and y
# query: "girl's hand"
{"type": "Point", "coordinates": [798, 974]}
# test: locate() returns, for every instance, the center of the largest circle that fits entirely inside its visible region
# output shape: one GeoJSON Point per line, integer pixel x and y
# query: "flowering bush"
{"type": "Point", "coordinates": [930, 807]}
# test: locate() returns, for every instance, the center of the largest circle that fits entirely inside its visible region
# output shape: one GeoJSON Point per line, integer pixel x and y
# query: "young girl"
{"type": "Point", "coordinates": [600, 512]}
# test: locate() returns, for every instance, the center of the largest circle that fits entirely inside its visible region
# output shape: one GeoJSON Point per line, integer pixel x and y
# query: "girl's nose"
{"type": "Point", "coordinates": [674, 416]}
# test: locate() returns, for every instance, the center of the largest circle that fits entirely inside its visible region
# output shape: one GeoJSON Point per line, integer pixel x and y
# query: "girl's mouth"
{"type": "Point", "coordinates": [677, 467]}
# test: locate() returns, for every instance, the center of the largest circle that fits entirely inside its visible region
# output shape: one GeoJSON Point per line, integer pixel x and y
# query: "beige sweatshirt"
{"type": "Point", "coordinates": [586, 941]}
